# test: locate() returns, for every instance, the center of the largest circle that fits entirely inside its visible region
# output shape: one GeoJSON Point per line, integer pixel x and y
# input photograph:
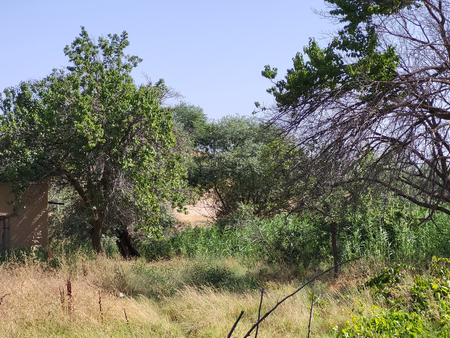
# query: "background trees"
{"type": "Point", "coordinates": [192, 120]}
{"type": "Point", "coordinates": [241, 160]}
{"type": "Point", "coordinates": [91, 128]}
{"type": "Point", "coordinates": [375, 101]}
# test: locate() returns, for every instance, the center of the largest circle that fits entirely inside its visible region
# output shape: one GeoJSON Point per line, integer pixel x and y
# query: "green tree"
{"type": "Point", "coordinates": [191, 118]}
{"type": "Point", "coordinates": [241, 160]}
{"type": "Point", "coordinates": [91, 128]}
{"type": "Point", "coordinates": [377, 94]}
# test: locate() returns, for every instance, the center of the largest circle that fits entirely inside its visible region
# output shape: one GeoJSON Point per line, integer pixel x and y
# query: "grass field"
{"type": "Point", "coordinates": [196, 282]}
{"type": "Point", "coordinates": [203, 297]}
{"type": "Point", "coordinates": [178, 298]}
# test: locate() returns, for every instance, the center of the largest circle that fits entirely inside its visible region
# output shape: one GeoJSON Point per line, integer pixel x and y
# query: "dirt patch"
{"type": "Point", "coordinates": [200, 214]}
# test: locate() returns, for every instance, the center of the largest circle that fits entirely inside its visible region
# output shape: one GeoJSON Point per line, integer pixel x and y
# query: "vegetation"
{"type": "Point", "coordinates": [209, 275]}
{"type": "Point", "coordinates": [351, 166]}
{"type": "Point", "coordinates": [91, 128]}
{"type": "Point", "coordinates": [242, 160]}
{"type": "Point", "coordinates": [376, 94]}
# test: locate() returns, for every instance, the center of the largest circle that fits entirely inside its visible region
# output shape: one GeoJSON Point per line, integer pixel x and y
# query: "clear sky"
{"type": "Point", "coordinates": [211, 52]}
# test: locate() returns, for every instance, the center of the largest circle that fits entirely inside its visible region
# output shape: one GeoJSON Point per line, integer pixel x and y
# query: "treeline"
{"type": "Point", "coordinates": [358, 128]}
{"type": "Point", "coordinates": [273, 205]}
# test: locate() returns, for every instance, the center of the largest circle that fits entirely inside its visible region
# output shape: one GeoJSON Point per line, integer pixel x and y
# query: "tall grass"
{"type": "Point", "coordinates": [397, 234]}
{"type": "Point", "coordinates": [194, 283]}
{"type": "Point", "coordinates": [177, 298]}
{"type": "Point", "coordinates": [198, 295]}
{"type": "Point", "coordinates": [388, 230]}
{"type": "Point", "coordinates": [393, 233]}
{"type": "Point", "coordinates": [36, 305]}
{"type": "Point", "coordinates": [280, 240]}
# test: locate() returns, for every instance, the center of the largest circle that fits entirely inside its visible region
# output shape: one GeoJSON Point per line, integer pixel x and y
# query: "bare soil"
{"type": "Point", "coordinates": [202, 213]}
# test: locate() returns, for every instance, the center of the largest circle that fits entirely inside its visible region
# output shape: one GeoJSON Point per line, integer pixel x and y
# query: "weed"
{"type": "Point", "coordinates": [386, 324]}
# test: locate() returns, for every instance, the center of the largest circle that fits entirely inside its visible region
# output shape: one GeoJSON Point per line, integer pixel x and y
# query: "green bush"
{"type": "Point", "coordinates": [212, 274]}
{"type": "Point", "coordinates": [421, 309]}
{"type": "Point", "coordinates": [155, 249]}
{"type": "Point", "coordinates": [281, 240]}
{"type": "Point", "coordinates": [386, 324]}
{"type": "Point", "coordinates": [392, 231]}
{"type": "Point", "coordinates": [110, 246]}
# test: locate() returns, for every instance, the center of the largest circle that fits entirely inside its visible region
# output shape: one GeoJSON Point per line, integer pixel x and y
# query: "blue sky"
{"type": "Point", "coordinates": [211, 52]}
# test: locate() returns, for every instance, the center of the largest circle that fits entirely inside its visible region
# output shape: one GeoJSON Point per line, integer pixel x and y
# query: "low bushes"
{"type": "Point", "coordinates": [407, 307]}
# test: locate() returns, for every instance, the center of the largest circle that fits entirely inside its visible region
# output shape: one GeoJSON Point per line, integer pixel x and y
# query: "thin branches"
{"type": "Point", "coordinates": [235, 324]}
{"type": "Point", "coordinates": [311, 310]}
{"type": "Point", "coordinates": [384, 115]}
{"type": "Point", "coordinates": [255, 326]}
{"type": "Point", "coordinates": [259, 312]}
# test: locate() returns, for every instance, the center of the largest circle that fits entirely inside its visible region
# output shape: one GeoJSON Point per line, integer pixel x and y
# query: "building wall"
{"type": "Point", "coordinates": [28, 217]}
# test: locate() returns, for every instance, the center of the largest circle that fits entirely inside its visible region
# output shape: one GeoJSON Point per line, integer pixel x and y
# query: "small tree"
{"type": "Point", "coordinates": [241, 160]}
{"type": "Point", "coordinates": [90, 127]}
{"type": "Point", "coordinates": [191, 118]}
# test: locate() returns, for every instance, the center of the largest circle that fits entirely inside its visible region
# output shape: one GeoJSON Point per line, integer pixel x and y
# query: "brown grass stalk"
{"type": "Point", "coordinates": [69, 296]}
{"type": "Point", "coordinates": [100, 306]}
{"type": "Point", "coordinates": [126, 317]}
{"type": "Point", "coordinates": [84, 267]}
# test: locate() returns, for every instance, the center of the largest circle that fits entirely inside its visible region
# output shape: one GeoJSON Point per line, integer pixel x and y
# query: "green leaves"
{"type": "Point", "coordinates": [240, 160]}
{"type": "Point", "coordinates": [351, 60]}
{"type": "Point", "coordinates": [93, 128]}
{"type": "Point", "coordinates": [327, 70]}
{"type": "Point", "coordinates": [355, 12]}
{"type": "Point", "coordinates": [269, 73]}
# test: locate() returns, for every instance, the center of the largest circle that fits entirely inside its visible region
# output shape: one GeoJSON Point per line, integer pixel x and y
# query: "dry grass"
{"type": "Point", "coordinates": [206, 313]}
{"type": "Point", "coordinates": [38, 305]}
{"type": "Point", "coordinates": [34, 305]}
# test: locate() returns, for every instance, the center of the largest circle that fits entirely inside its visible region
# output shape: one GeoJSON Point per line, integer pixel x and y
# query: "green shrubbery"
{"type": "Point", "coordinates": [395, 232]}
{"type": "Point", "coordinates": [392, 235]}
{"type": "Point", "coordinates": [420, 308]}
{"type": "Point", "coordinates": [285, 240]}
{"type": "Point", "coordinates": [386, 324]}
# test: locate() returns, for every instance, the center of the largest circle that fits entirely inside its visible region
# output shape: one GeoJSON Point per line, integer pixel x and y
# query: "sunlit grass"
{"type": "Point", "coordinates": [161, 299]}
{"type": "Point", "coordinates": [195, 297]}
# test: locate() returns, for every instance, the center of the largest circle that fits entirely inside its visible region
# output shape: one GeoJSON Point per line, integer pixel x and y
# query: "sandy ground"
{"type": "Point", "coordinates": [200, 214]}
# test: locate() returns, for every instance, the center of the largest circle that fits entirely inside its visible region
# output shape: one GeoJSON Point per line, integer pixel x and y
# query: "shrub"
{"type": "Point", "coordinates": [386, 324]}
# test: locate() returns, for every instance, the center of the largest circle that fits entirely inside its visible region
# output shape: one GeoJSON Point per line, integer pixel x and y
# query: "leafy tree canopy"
{"type": "Point", "coordinates": [190, 117]}
{"type": "Point", "coordinates": [242, 160]}
{"type": "Point", "coordinates": [92, 128]}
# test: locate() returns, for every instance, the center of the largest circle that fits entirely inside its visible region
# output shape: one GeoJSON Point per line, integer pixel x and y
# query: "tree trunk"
{"type": "Point", "coordinates": [96, 235]}
{"type": "Point", "coordinates": [334, 230]}
{"type": "Point", "coordinates": [126, 245]}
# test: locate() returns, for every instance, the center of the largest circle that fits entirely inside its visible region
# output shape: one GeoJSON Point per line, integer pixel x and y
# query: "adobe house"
{"type": "Point", "coordinates": [23, 223]}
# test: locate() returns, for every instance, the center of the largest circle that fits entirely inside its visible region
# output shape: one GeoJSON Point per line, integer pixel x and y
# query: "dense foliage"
{"type": "Point", "coordinates": [90, 127]}
{"type": "Point", "coordinates": [352, 164]}
{"type": "Point", "coordinates": [242, 160]}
